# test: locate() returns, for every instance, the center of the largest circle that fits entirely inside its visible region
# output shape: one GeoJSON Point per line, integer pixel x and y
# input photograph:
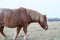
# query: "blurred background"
{"type": "Point", "coordinates": [49, 7]}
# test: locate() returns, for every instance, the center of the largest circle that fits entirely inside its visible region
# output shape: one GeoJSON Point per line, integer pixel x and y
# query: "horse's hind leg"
{"type": "Point", "coordinates": [17, 32]}
{"type": "Point", "coordinates": [1, 31]}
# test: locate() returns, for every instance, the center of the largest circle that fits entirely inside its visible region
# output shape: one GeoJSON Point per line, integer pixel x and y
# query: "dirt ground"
{"type": "Point", "coordinates": [36, 32]}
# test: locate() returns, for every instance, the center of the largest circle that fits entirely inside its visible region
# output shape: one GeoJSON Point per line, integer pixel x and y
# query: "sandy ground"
{"type": "Point", "coordinates": [36, 32]}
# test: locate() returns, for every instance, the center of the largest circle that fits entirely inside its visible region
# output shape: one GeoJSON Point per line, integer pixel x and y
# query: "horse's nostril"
{"type": "Point", "coordinates": [46, 28]}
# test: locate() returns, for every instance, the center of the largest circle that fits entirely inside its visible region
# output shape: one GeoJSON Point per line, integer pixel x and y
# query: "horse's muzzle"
{"type": "Point", "coordinates": [46, 28]}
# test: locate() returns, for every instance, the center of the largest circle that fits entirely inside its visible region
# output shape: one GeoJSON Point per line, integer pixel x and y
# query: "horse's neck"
{"type": "Point", "coordinates": [35, 16]}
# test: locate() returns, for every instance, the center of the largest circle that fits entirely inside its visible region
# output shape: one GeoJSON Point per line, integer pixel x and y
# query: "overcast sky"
{"type": "Point", "coordinates": [49, 7]}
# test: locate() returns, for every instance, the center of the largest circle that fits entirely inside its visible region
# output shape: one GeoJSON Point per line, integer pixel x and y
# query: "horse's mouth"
{"type": "Point", "coordinates": [46, 28]}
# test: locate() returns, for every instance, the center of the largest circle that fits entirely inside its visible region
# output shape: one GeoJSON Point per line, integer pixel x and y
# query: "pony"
{"type": "Point", "coordinates": [20, 18]}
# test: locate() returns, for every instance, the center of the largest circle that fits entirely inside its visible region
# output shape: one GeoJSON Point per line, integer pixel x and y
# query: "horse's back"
{"type": "Point", "coordinates": [15, 17]}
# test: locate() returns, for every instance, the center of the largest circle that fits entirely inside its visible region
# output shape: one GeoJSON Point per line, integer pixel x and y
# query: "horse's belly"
{"type": "Point", "coordinates": [11, 25]}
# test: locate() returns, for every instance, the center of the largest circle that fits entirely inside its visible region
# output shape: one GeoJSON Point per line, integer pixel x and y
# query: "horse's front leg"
{"type": "Point", "coordinates": [17, 32]}
{"type": "Point", "coordinates": [1, 31]}
{"type": "Point", "coordinates": [26, 35]}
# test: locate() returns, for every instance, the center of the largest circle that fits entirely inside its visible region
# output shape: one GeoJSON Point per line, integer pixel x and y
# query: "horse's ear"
{"type": "Point", "coordinates": [45, 15]}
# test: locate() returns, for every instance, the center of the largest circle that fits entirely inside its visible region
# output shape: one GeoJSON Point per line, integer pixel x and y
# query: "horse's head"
{"type": "Point", "coordinates": [37, 17]}
{"type": "Point", "coordinates": [43, 22]}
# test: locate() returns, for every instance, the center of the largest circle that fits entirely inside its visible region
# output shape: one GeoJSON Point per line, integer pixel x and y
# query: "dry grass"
{"type": "Point", "coordinates": [36, 32]}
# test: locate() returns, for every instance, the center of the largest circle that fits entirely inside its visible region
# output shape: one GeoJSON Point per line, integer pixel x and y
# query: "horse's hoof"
{"type": "Point", "coordinates": [28, 39]}
{"type": "Point", "coordinates": [22, 36]}
{"type": "Point", "coordinates": [5, 39]}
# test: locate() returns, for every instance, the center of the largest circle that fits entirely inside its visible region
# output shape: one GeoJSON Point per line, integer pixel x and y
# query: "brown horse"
{"type": "Point", "coordinates": [20, 18]}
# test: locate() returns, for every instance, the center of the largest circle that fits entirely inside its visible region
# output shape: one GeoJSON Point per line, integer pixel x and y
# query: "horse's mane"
{"type": "Point", "coordinates": [34, 14]}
